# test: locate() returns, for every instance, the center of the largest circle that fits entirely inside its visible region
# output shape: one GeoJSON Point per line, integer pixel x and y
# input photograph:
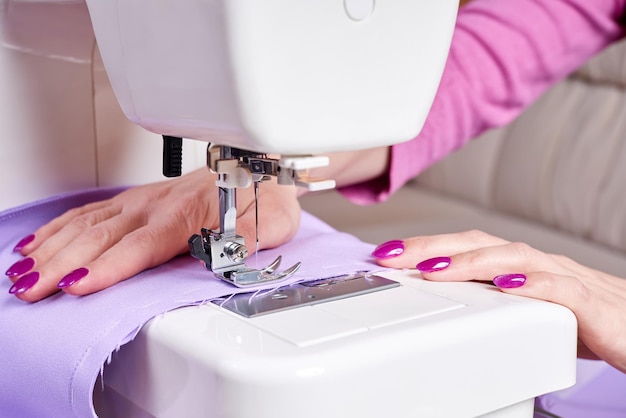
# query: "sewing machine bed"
{"type": "Point", "coordinates": [418, 349]}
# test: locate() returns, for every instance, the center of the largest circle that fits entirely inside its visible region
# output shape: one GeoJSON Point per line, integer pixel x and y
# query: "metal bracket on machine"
{"type": "Point", "coordinates": [223, 251]}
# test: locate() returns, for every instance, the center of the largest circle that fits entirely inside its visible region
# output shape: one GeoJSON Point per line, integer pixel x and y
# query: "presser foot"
{"type": "Point", "coordinates": [251, 277]}
{"type": "Point", "coordinates": [226, 259]}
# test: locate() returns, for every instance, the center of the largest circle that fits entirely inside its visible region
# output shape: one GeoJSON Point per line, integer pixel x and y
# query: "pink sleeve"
{"type": "Point", "coordinates": [504, 55]}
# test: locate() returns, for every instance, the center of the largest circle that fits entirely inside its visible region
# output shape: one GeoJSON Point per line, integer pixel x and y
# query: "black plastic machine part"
{"type": "Point", "coordinates": [172, 156]}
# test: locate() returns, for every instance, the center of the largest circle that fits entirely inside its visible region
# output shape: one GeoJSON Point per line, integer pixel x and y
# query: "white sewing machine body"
{"type": "Point", "coordinates": [302, 77]}
{"type": "Point", "coordinates": [282, 76]}
{"type": "Point", "coordinates": [422, 349]}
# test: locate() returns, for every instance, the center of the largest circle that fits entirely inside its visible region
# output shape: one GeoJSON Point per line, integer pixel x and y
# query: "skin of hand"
{"type": "Point", "coordinates": [146, 226]}
{"type": "Point", "coordinates": [597, 299]}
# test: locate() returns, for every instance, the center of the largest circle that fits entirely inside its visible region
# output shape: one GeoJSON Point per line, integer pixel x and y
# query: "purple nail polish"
{"type": "Point", "coordinates": [388, 249]}
{"type": "Point", "coordinates": [509, 281]}
{"type": "Point", "coordinates": [72, 277]}
{"type": "Point", "coordinates": [433, 264]}
{"type": "Point", "coordinates": [20, 267]}
{"type": "Point", "coordinates": [24, 283]}
{"type": "Point", "coordinates": [23, 243]}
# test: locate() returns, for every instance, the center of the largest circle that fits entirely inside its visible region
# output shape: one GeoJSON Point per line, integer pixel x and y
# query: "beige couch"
{"type": "Point", "coordinates": [555, 178]}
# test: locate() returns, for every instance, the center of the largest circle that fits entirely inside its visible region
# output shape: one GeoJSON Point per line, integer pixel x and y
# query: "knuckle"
{"type": "Point", "coordinates": [74, 212]}
{"type": "Point", "coordinates": [139, 238]}
{"type": "Point", "coordinates": [81, 222]}
{"type": "Point", "coordinates": [187, 213]}
{"type": "Point", "coordinates": [83, 210]}
{"type": "Point", "coordinates": [581, 292]}
{"type": "Point", "coordinates": [477, 236]}
{"type": "Point", "coordinates": [576, 292]}
{"type": "Point", "coordinates": [141, 244]}
{"type": "Point", "coordinates": [100, 235]}
{"type": "Point", "coordinates": [418, 245]}
{"type": "Point", "coordinates": [474, 257]}
{"type": "Point", "coordinates": [523, 250]}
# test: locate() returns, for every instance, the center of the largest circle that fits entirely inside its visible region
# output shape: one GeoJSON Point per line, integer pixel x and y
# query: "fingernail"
{"type": "Point", "coordinates": [433, 264]}
{"type": "Point", "coordinates": [388, 249]}
{"type": "Point", "coordinates": [509, 281]}
{"type": "Point", "coordinates": [24, 283]}
{"type": "Point", "coordinates": [23, 243]}
{"type": "Point", "coordinates": [73, 277]}
{"type": "Point", "coordinates": [20, 267]}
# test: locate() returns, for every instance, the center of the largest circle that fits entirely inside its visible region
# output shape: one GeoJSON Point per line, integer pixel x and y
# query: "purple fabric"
{"type": "Point", "coordinates": [52, 351]}
{"type": "Point", "coordinates": [598, 393]}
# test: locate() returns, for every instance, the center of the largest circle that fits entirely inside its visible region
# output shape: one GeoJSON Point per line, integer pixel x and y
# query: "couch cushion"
{"type": "Point", "coordinates": [562, 163]}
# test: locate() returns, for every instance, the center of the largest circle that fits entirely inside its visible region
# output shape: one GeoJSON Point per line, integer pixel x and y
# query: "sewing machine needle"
{"type": "Point", "coordinates": [256, 220]}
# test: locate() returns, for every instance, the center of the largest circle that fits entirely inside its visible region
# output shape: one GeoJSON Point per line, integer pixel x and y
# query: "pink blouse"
{"type": "Point", "coordinates": [504, 55]}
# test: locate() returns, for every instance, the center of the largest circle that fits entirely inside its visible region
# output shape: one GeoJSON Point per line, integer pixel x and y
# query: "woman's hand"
{"type": "Point", "coordinates": [93, 247]}
{"type": "Point", "coordinates": [597, 299]}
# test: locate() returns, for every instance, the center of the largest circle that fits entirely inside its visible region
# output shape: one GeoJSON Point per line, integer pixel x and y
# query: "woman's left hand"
{"type": "Point", "coordinates": [95, 246]}
{"type": "Point", "coordinates": [597, 299]}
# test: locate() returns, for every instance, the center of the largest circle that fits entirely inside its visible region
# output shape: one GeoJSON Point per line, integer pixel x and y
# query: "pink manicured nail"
{"type": "Point", "coordinates": [388, 249]}
{"type": "Point", "coordinates": [73, 277]}
{"type": "Point", "coordinates": [20, 267]}
{"type": "Point", "coordinates": [23, 243]}
{"type": "Point", "coordinates": [509, 281]}
{"type": "Point", "coordinates": [24, 283]}
{"type": "Point", "coordinates": [433, 264]}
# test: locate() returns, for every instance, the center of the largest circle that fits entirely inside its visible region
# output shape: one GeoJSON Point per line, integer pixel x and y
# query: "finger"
{"type": "Point", "coordinates": [79, 252]}
{"type": "Point", "coordinates": [33, 241]}
{"type": "Point", "coordinates": [64, 238]}
{"type": "Point", "coordinates": [138, 250]}
{"type": "Point", "coordinates": [562, 289]}
{"type": "Point", "coordinates": [588, 305]}
{"type": "Point", "coordinates": [407, 253]}
{"type": "Point", "coordinates": [92, 221]}
{"type": "Point", "coordinates": [599, 311]}
{"type": "Point", "coordinates": [487, 262]}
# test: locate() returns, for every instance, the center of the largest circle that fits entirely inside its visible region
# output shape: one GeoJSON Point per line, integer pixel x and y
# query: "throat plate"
{"type": "Point", "coordinates": [305, 294]}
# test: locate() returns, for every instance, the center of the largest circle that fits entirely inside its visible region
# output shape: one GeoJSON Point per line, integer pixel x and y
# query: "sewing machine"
{"type": "Point", "coordinates": [300, 79]}
{"type": "Point", "coordinates": [253, 78]}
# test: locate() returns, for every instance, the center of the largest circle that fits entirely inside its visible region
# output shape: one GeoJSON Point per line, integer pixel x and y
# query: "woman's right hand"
{"type": "Point", "coordinates": [597, 299]}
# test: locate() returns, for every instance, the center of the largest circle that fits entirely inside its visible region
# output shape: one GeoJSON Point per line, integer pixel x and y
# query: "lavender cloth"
{"type": "Point", "coordinates": [598, 393]}
{"type": "Point", "coordinates": [52, 351]}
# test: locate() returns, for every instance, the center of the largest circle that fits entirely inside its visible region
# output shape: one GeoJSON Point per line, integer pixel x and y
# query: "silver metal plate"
{"type": "Point", "coordinates": [310, 293]}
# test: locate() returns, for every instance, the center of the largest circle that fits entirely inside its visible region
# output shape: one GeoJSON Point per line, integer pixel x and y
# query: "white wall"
{"type": "Point", "coordinates": [61, 128]}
